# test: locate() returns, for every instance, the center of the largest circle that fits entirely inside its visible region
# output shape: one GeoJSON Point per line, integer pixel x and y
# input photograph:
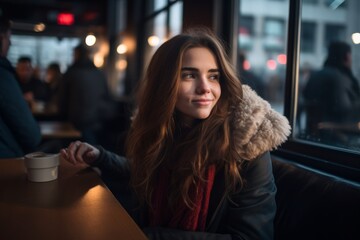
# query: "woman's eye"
{"type": "Point", "coordinates": [214, 77]}
{"type": "Point", "coordinates": [187, 76]}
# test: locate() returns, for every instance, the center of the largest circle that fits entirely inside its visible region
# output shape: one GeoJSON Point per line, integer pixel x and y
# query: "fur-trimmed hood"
{"type": "Point", "coordinates": [257, 127]}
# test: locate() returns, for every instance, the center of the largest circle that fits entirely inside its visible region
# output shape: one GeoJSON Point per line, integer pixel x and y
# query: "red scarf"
{"type": "Point", "coordinates": [183, 217]}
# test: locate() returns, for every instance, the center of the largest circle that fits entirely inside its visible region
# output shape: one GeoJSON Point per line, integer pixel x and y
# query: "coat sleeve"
{"type": "Point", "coordinates": [251, 211]}
{"type": "Point", "coordinates": [17, 115]}
{"type": "Point", "coordinates": [111, 165]}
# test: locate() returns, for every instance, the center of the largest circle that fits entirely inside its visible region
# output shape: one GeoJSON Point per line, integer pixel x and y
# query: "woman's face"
{"type": "Point", "coordinates": [199, 88]}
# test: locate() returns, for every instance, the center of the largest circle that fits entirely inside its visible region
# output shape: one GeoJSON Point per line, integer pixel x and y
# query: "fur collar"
{"type": "Point", "coordinates": [257, 127]}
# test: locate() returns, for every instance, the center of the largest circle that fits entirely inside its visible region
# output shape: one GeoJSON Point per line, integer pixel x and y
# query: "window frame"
{"type": "Point", "coordinates": [341, 162]}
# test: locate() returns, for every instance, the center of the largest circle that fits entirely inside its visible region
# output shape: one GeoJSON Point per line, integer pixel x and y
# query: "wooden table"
{"type": "Point", "coordinates": [45, 113]}
{"type": "Point", "coordinates": [58, 130]}
{"type": "Point", "coordinates": [75, 206]}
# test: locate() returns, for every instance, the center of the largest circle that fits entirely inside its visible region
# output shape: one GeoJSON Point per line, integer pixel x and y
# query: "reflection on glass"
{"type": "Point", "coordinates": [155, 28]}
{"type": "Point", "coordinates": [308, 36]}
{"type": "Point", "coordinates": [176, 18]}
{"type": "Point", "coordinates": [43, 50]}
{"type": "Point", "coordinates": [262, 48]}
{"type": "Point", "coordinates": [163, 26]}
{"type": "Point", "coordinates": [155, 5]}
{"type": "Point", "coordinates": [329, 89]}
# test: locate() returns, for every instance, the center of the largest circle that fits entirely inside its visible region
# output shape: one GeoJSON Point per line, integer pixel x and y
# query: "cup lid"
{"type": "Point", "coordinates": [41, 160]}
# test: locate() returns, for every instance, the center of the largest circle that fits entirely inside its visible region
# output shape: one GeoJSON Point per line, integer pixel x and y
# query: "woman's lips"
{"type": "Point", "coordinates": [202, 102]}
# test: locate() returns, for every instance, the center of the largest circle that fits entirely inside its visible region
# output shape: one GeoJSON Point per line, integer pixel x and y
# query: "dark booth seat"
{"type": "Point", "coordinates": [314, 205]}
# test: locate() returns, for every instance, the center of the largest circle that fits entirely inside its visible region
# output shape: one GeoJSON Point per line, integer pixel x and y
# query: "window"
{"type": "Point", "coordinates": [326, 132]}
{"type": "Point", "coordinates": [325, 112]}
{"type": "Point", "coordinates": [274, 34]}
{"type": "Point", "coordinates": [330, 97]}
{"type": "Point", "coordinates": [43, 50]}
{"type": "Point", "coordinates": [246, 32]}
{"type": "Point", "coordinates": [308, 33]}
{"type": "Point", "coordinates": [334, 32]}
{"type": "Point", "coordinates": [262, 48]}
{"type": "Point", "coordinates": [310, 1]}
{"type": "Point", "coordinates": [334, 4]}
{"type": "Point", "coordinates": [163, 23]}
{"type": "Point", "coordinates": [157, 5]}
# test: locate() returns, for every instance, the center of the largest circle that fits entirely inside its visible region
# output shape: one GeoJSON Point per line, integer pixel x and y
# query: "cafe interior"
{"type": "Point", "coordinates": [275, 46]}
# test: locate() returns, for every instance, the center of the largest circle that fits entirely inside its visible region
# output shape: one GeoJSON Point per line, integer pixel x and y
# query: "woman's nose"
{"type": "Point", "coordinates": [203, 85]}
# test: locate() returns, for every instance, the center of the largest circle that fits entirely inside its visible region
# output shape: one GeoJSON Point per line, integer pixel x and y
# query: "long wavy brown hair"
{"type": "Point", "coordinates": [157, 140]}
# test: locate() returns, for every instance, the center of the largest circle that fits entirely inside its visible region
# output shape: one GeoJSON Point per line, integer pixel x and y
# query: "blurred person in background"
{"type": "Point", "coordinates": [34, 90]}
{"type": "Point", "coordinates": [84, 97]}
{"type": "Point", "coordinates": [52, 79]}
{"type": "Point", "coordinates": [19, 132]}
{"type": "Point", "coordinates": [332, 97]}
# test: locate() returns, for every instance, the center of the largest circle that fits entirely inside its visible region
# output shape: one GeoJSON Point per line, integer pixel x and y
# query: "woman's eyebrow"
{"type": "Point", "coordinates": [196, 70]}
{"type": "Point", "coordinates": [189, 69]}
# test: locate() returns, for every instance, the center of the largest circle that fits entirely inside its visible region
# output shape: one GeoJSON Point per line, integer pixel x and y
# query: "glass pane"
{"type": "Point", "coordinates": [308, 33]}
{"type": "Point", "coordinates": [310, 1]}
{"type": "Point", "coordinates": [155, 35]}
{"type": "Point", "coordinates": [43, 50]}
{"type": "Point", "coordinates": [155, 5]}
{"type": "Point", "coordinates": [329, 91]}
{"type": "Point", "coordinates": [246, 32]}
{"type": "Point", "coordinates": [333, 4]}
{"type": "Point", "coordinates": [176, 11]}
{"type": "Point", "coordinates": [262, 48]}
{"type": "Point", "coordinates": [163, 26]}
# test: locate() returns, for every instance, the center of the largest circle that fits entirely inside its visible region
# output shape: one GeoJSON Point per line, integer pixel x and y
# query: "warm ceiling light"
{"type": "Point", "coordinates": [40, 27]}
{"type": "Point", "coordinates": [121, 49]}
{"type": "Point", "coordinates": [121, 64]}
{"type": "Point", "coordinates": [153, 41]}
{"type": "Point", "coordinates": [98, 60]}
{"type": "Point", "coordinates": [90, 40]}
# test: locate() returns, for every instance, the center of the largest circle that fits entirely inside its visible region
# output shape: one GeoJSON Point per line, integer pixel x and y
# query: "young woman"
{"type": "Point", "coordinates": [197, 153]}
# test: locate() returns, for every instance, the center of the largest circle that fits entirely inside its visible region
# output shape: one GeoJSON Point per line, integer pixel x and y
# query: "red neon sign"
{"type": "Point", "coordinates": [65, 18]}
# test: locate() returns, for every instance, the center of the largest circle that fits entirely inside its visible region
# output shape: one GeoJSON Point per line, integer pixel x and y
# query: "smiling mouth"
{"type": "Point", "coordinates": [202, 102]}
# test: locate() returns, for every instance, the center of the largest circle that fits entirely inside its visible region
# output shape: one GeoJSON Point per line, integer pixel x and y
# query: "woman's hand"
{"type": "Point", "coordinates": [80, 152]}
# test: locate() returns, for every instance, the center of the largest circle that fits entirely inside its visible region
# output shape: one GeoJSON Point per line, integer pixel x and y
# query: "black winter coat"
{"type": "Point", "coordinates": [246, 214]}
{"type": "Point", "coordinates": [19, 131]}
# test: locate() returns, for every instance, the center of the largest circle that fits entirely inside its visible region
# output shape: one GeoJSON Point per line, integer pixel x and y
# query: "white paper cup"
{"type": "Point", "coordinates": [42, 167]}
